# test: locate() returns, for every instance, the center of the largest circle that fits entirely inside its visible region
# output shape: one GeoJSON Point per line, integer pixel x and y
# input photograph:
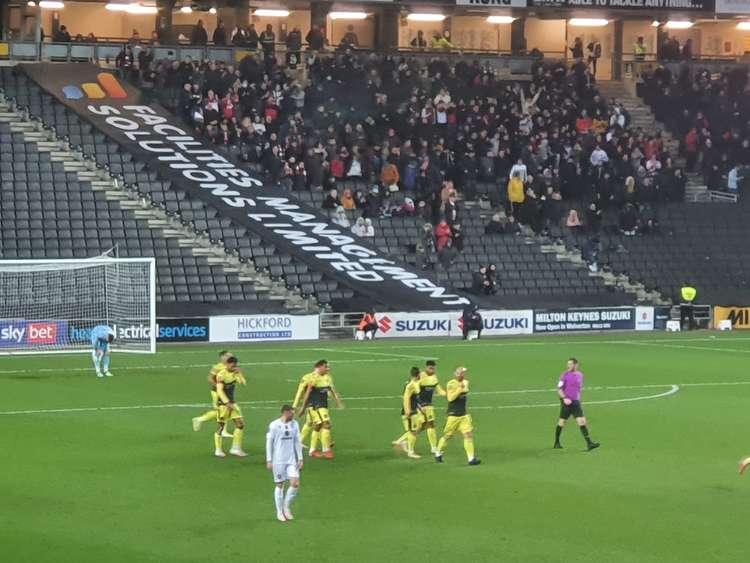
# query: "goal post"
{"type": "Point", "coordinates": [50, 306]}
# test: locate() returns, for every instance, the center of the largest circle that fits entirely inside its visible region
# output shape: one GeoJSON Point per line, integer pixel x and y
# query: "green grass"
{"type": "Point", "coordinates": [138, 485]}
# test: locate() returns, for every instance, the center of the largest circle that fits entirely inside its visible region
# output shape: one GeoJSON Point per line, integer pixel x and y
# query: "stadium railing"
{"type": "Point", "coordinates": [108, 51]}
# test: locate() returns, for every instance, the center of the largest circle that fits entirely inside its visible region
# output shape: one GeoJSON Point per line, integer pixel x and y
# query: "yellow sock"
{"type": "Point", "coordinates": [304, 432]}
{"type": "Point", "coordinates": [208, 416]}
{"type": "Point", "coordinates": [217, 440]}
{"type": "Point", "coordinates": [314, 440]}
{"type": "Point", "coordinates": [441, 444]}
{"type": "Point", "coordinates": [411, 441]}
{"type": "Point", "coordinates": [325, 438]}
{"type": "Point", "coordinates": [432, 437]}
{"type": "Point", "coordinates": [403, 437]}
{"type": "Point", "coordinates": [237, 440]}
{"type": "Point", "coordinates": [469, 447]}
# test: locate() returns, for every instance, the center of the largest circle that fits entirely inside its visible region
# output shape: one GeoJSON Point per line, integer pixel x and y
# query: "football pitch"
{"type": "Point", "coordinates": [110, 470]}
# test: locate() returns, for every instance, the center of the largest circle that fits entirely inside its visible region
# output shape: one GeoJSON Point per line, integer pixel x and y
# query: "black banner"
{"type": "Point", "coordinates": [182, 330]}
{"type": "Point", "coordinates": [677, 5]}
{"type": "Point", "coordinates": [577, 320]}
{"type": "Point", "coordinates": [155, 136]}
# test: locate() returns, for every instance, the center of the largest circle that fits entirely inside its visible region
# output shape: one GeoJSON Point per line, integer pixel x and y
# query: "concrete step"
{"type": "Point", "coordinates": [158, 223]}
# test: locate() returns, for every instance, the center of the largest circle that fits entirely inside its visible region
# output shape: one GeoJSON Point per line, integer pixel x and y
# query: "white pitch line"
{"type": "Point", "coordinates": [681, 347]}
{"type": "Point", "coordinates": [568, 339]}
{"type": "Point", "coordinates": [191, 366]}
{"type": "Point", "coordinates": [371, 353]}
{"type": "Point", "coordinates": [673, 389]}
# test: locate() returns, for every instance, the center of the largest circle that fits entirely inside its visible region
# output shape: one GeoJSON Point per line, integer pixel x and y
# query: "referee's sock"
{"type": "Point", "coordinates": [558, 431]}
{"type": "Point", "coordinates": [585, 432]}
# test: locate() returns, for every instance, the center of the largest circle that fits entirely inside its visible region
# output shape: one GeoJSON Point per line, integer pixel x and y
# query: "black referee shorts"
{"type": "Point", "coordinates": [573, 409]}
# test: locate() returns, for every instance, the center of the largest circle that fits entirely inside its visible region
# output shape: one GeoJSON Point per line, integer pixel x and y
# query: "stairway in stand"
{"type": "Point", "coordinates": [641, 116]}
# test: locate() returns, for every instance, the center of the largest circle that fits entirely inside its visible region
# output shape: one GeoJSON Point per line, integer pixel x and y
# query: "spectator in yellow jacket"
{"type": "Point", "coordinates": [515, 191]}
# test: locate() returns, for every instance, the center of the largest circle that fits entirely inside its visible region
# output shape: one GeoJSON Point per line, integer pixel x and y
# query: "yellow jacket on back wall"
{"type": "Point", "coordinates": [688, 293]}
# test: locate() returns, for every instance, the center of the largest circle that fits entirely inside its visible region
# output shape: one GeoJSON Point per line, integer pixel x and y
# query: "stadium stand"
{"type": "Point", "coordinates": [348, 125]}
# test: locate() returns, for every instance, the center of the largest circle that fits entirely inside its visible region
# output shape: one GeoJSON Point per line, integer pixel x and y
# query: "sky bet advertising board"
{"type": "Point", "coordinates": [32, 334]}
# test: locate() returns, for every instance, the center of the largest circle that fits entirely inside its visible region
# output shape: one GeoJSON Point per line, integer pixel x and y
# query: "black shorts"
{"type": "Point", "coordinates": [573, 409]}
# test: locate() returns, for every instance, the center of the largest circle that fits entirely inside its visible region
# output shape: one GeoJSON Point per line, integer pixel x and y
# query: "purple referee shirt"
{"type": "Point", "coordinates": [571, 383]}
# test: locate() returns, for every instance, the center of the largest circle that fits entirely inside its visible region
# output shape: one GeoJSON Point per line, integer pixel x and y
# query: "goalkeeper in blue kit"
{"type": "Point", "coordinates": [102, 337]}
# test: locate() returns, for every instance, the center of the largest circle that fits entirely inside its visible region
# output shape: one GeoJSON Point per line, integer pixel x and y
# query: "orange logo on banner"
{"type": "Point", "coordinates": [106, 86]}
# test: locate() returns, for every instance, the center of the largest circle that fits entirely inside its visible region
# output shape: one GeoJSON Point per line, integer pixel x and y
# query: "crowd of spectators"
{"type": "Point", "coordinates": [710, 114]}
{"type": "Point", "coordinates": [388, 136]}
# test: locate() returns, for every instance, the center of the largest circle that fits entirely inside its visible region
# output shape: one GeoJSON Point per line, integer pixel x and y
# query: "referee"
{"type": "Point", "coordinates": [569, 389]}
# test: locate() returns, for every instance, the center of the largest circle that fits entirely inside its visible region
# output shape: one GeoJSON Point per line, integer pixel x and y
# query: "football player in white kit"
{"type": "Point", "coordinates": [284, 459]}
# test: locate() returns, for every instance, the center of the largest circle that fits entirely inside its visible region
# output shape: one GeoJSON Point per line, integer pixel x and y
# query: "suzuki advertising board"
{"type": "Point", "coordinates": [501, 323]}
{"type": "Point", "coordinates": [496, 323]}
{"type": "Point", "coordinates": [394, 325]}
{"type": "Point", "coordinates": [263, 328]}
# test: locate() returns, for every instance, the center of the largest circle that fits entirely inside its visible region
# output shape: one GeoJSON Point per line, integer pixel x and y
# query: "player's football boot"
{"type": "Point", "coordinates": [328, 454]}
{"type": "Point", "coordinates": [108, 373]}
{"type": "Point", "coordinates": [557, 446]}
{"type": "Point", "coordinates": [592, 446]}
{"type": "Point", "coordinates": [237, 452]}
{"type": "Point", "coordinates": [99, 374]}
{"type": "Point", "coordinates": [439, 457]}
{"type": "Point", "coordinates": [475, 461]}
{"type": "Point", "coordinates": [288, 514]}
{"type": "Point", "coordinates": [413, 455]}
{"type": "Point", "coordinates": [280, 517]}
{"type": "Point", "coordinates": [316, 453]}
{"type": "Point", "coordinates": [219, 453]}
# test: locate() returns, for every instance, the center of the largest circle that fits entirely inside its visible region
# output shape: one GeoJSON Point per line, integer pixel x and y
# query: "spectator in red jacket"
{"type": "Point", "coordinates": [443, 234]}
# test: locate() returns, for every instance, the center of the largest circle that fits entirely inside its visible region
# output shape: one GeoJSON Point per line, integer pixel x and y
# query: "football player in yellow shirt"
{"type": "Point", "coordinates": [315, 403]}
{"type": "Point", "coordinates": [458, 418]}
{"type": "Point", "coordinates": [226, 381]}
{"type": "Point", "coordinates": [428, 384]}
{"type": "Point", "coordinates": [214, 412]}
{"type": "Point", "coordinates": [411, 415]}
{"type": "Point", "coordinates": [301, 388]}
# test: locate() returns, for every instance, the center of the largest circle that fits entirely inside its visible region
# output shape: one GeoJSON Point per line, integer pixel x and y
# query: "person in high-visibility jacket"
{"type": "Point", "coordinates": [368, 326]}
{"type": "Point", "coordinates": [688, 294]}
{"type": "Point", "coordinates": [515, 193]}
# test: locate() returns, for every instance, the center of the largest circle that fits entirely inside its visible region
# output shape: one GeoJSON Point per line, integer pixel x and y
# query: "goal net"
{"type": "Point", "coordinates": [52, 305]}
